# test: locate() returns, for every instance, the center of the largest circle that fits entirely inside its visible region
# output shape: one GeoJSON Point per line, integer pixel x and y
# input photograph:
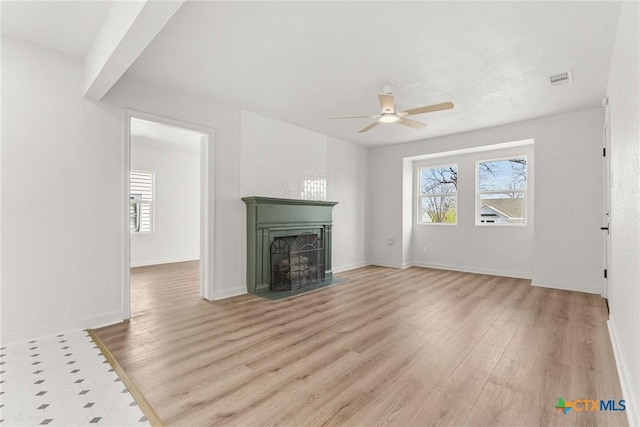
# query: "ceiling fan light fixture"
{"type": "Point", "coordinates": [388, 118]}
{"type": "Point", "coordinates": [389, 114]}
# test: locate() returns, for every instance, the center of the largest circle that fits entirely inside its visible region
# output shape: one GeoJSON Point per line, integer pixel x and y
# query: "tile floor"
{"type": "Point", "coordinates": [63, 380]}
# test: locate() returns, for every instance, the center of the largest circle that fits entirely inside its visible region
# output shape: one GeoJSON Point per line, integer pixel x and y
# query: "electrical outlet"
{"type": "Point", "coordinates": [424, 249]}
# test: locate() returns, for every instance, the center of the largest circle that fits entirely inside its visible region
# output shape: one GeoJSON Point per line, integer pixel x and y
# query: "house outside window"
{"type": "Point", "coordinates": [501, 196]}
{"type": "Point", "coordinates": [438, 195]}
{"type": "Point", "coordinates": [141, 191]}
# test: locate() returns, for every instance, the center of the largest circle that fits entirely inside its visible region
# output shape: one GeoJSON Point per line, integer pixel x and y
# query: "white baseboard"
{"type": "Point", "coordinates": [464, 269]}
{"type": "Point", "coordinates": [632, 404]}
{"type": "Point", "coordinates": [61, 328]}
{"type": "Point", "coordinates": [383, 264]}
{"type": "Point", "coordinates": [590, 289]}
{"type": "Point", "coordinates": [228, 293]}
{"type": "Point", "coordinates": [163, 261]}
{"type": "Point", "coordinates": [350, 267]}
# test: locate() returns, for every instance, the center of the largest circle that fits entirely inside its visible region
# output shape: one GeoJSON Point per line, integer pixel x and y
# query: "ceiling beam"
{"type": "Point", "coordinates": [126, 32]}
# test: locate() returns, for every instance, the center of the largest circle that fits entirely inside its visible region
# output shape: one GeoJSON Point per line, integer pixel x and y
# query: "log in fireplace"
{"type": "Point", "coordinates": [296, 261]}
{"type": "Point", "coordinates": [288, 243]}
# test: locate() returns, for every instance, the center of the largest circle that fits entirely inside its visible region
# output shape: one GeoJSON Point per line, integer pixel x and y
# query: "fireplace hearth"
{"type": "Point", "coordinates": [288, 244]}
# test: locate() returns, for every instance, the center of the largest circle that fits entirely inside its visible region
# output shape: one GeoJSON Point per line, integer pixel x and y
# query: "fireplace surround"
{"type": "Point", "coordinates": [288, 243]}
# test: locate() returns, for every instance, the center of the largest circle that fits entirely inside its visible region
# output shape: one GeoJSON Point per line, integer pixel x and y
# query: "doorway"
{"type": "Point", "coordinates": [168, 194]}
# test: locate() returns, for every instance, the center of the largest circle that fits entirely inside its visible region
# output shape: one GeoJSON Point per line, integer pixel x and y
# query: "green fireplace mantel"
{"type": "Point", "coordinates": [276, 201]}
{"type": "Point", "coordinates": [271, 217]}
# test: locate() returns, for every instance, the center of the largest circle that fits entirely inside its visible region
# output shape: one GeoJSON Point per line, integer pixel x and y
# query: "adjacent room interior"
{"type": "Point", "coordinates": [165, 208]}
{"type": "Point", "coordinates": [314, 213]}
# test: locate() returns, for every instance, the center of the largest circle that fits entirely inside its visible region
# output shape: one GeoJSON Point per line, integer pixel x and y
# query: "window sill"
{"type": "Point", "coordinates": [501, 225]}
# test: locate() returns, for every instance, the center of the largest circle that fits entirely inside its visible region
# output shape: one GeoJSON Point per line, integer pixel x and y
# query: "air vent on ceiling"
{"type": "Point", "coordinates": [561, 78]}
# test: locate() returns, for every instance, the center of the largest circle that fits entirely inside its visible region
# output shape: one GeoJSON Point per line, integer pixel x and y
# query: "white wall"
{"type": "Point", "coordinates": [277, 158]}
{"type": "Point", "coordinates": [347, 172]}
{"type": "Point", "coordinates": [504, 250]}
{"type": "Point", "coordinates": [624, 284]}
{"type": "Point", "coordinates": [61, 197]}
{"type": "Point", "coordinates": [568, 250]}
{"type": "Point", "coordinates": [176, 210]}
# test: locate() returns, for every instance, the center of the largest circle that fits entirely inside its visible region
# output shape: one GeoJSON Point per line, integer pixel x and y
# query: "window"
{"type": "Point", "coordinates": [502, 191]}
{"type": "Point", "coordinates": [438, 195]}
{"type": "Point", "coordinates": [141, 202]}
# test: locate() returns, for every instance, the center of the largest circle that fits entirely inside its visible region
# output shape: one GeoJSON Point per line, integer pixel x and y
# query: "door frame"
{"type": "Point", "coordinates": [207, 186]}
{"type": "Point", "coordinates": [606, 136]}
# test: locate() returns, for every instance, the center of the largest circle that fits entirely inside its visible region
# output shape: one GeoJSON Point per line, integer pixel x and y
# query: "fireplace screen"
{"type": "Point", "coordinates": [296, 261]}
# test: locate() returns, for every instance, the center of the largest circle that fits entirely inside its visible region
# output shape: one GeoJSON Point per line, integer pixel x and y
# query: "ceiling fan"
{"type": "Point", "coordinates": [389, 114]}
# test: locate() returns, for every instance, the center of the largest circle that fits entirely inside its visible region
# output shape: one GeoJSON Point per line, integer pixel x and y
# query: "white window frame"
{"type": "Point", "coordinates": [420, 196]}
{"type": "Point", "coordinates": [478, 221]}
{"type": "Point", "coordinates": [150, 203]}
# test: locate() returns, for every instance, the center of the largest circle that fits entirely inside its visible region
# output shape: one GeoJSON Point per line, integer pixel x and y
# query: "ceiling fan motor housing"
{"type": "Point", "coordinates": [389, 89]}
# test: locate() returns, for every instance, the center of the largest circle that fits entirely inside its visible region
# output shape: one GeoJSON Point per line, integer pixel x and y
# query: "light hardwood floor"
{"type": "Point", "coordinates": [388, 347]}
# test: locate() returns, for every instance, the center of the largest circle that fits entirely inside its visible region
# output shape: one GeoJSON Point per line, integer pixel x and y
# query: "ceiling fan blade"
{"type": "Point", "coordinates": [351, 117]}
{"type": "Point", "coordinates": [371, 126]}
{"type": "Point", "coordinates": [386, 102]}
{"type": "Point", "coordinates": [428, 109]}
{"type": "Point", "coordinates": [411, 123]}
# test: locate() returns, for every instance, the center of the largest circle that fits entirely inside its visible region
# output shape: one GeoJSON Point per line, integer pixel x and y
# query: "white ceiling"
{"type": "Point", "coordinates": [65, 26]}
{"type": "Point", "coordinates": [165, 136]}
{"type": "Point", "coordinates": [301, 62]}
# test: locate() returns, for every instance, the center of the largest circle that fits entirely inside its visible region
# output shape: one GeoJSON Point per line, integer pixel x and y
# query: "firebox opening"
{"type": "Point", "coordinates": [296, 261]}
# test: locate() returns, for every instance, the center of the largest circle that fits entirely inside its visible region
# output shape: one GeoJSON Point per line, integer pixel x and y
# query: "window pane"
{"type": "Point", "coordinates": [439, 180]}
{"type": "Point", "coordinates": [141, 198]}
{"type": "Point", "coordinates": [438, 209]}
{"type": "Point", "coordinates": [502, 174]}
{"type": "Point", "coordinates": [503, 208]}
{"type": "Point", "coordinates": [134, 217]}
{"type": "Point", "coordinates": [438, 187]}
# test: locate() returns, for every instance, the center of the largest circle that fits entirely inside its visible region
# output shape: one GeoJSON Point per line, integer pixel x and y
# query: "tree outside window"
{"type": "Point", "coordinates": [438, 194]}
